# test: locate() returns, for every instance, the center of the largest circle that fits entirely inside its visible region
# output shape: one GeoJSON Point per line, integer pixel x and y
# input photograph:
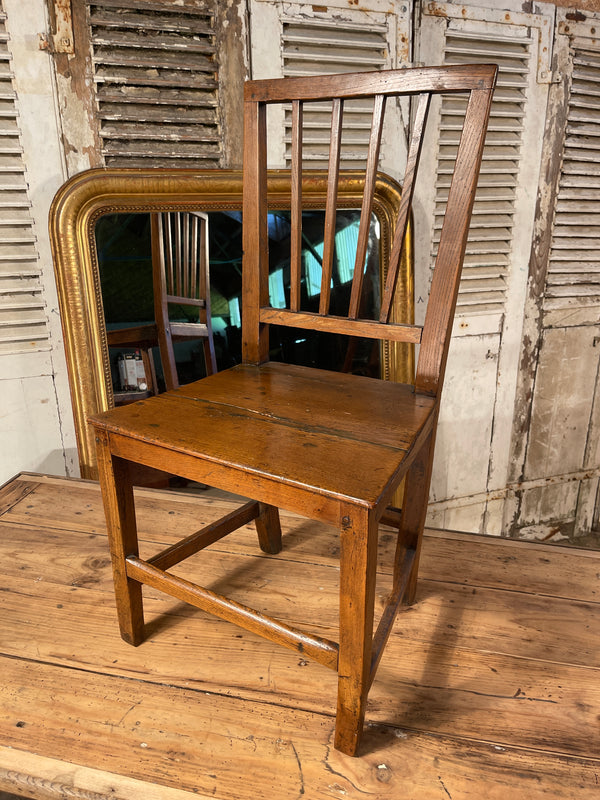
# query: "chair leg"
{"type": "Point", "coordinates": [268, 528]}
{"type": "Point", "coordinates": [117, 495]}
{"type": "Point", "coordinates": [358, 562]}
{"type": "Point", "coordinates": [414, 512]}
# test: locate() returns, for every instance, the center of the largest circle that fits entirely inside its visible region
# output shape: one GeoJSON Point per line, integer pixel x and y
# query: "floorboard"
{"type": "Point", "coordinates": [489, 686]}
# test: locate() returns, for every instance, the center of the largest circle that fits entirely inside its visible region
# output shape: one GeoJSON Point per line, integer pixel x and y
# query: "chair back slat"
{"type": "Point", "coordinates": [180, 263]}
{"type": "Point", "coordinates": [201, 288]}
{"type": "Point", "coordinates": [165, 248]}
{"type": "Point", "coordinates": [195, 258]}
{"type": "Point", "coordinates": [476, 81]}
{"type": "Point", "coordinates": [408, 188]}
{"type": "Point", "coordinates": [180, 242]}
{"type": "Point", "coordinates": [367, 205]}
{"type": "Point", "coordinates": [255, 337]}
{"type": "Point", "coordinates": [178, 255]}
{"type": "Point", "coordinates": [187, 265]}
{"type": "Point", "coordinates": [296, 210]}
{"type": "Point", "coordinates": [335, 146]}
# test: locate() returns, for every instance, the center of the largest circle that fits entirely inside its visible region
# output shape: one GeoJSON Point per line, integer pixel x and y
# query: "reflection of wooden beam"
{"type": "Point", "coordinates": [137, 336]}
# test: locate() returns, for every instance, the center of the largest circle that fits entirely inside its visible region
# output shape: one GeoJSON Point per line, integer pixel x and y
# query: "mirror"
{"type": "Point", "coordinates": [99, 226]}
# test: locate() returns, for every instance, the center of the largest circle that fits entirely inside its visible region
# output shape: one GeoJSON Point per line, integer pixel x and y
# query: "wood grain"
{"type": "Point", "coordinates": [14, 492]}
{"type": "Point", "coordinates": [293, 437]}
{"type": "Point", "coordinates": [486, 561]}
{"type": "Point", "coordinates": [40, 778]}
{"type": "Point", "coordinates": [492, 692]}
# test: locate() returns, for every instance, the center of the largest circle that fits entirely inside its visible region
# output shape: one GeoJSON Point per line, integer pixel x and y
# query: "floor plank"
{"type": "Point", "coordinates": [484, 561]}
{"type": "Point", "coordinates": [488, 688]}
{"type": "Point", "coordinates": [492, 619]}
{"type": "Point", "coordinates": [228, 749]}
{"type": "Point", "coordinates": [422, 684]}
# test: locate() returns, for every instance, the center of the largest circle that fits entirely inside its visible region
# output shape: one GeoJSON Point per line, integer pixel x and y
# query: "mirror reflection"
{"type": "Point", "coordinates": [133, 256]}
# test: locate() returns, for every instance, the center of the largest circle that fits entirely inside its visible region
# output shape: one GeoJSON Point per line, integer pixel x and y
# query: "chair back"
{"type": "Point", "coordinates": [476, 82]}
{"type": "Point", "coordinates": [180, 266]}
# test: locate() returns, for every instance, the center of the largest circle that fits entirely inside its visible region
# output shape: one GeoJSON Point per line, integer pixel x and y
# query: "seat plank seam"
{"type": "Point", "coordinates": [290, 423]}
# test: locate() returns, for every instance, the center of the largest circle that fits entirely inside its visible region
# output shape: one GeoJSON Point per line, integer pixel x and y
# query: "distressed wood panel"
{"type": "Point", "coordinates": [156, 77]}
{"type": "Point", "coordinates": [562, 405]}
{"type": "Point", "coordinates": [464, 434]}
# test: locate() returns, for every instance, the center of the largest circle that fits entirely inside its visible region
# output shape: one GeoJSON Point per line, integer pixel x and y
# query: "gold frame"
{"type": "Point", "coordinates": [97, 192]}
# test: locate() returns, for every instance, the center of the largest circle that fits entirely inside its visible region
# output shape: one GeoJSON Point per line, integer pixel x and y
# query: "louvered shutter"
{"type": "Point", "coordinates": [474, 434]}
{"type": "Point", "coordinates": [318, 40]}
{"type": "Point", "coordinates": [315, 47]}
{"type": "Point", "coordinates": [561, 450]}
{"type": "Point", "coordinates": [573, 277]}
{"type": "Point", "coordinates": [487, 259]}
{"type": "Point", "coordinates": [23, 322]}
{"type": "Point", "coordinates": [501, 226]}
{"type": "Point", "coordinates": [155, 70]}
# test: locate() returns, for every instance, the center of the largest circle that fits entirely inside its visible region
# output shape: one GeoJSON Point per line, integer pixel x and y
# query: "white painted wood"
{"type": "Point", "coordinates": [566, 379]}
{"type": "Point", "coordinates": [464, 434]}
{"type": "Point", "coordinates": [36, 426]}
{"type": "Point", "coordinates": [30, 428]}
{"type": "Point", "coordinates": [492, 299]}
{"type": "Point", "coordinates": [332, 38]}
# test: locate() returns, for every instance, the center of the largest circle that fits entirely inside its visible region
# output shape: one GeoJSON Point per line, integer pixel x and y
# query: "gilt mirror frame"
{"type": "Point", "coordinates": [86, 197]}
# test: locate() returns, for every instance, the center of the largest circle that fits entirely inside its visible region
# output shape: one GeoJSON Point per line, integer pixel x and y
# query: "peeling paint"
{"type": "Point", "coordinates": [81, 142]}
{"type": "Point", "coordinates": [62, 39]}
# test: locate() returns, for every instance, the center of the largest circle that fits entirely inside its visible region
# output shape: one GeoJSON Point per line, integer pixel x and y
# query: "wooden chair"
{"type": "Point", "coordinates": [180, 276]}
{"type": "Point", "coordinates": [331, 446]}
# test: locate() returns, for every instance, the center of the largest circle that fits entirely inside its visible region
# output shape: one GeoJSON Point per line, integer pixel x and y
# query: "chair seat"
{"type": "Point", "coordinates": [280, 425]}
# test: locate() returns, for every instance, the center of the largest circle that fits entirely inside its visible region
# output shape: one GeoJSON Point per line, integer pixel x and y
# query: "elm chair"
{"type": "Point", "coordinates": [331, 446]}
{"type": "Point", "coordinates": [180, 277]}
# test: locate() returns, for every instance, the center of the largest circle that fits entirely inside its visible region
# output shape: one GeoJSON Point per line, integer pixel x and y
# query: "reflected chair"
{"type": "Point", "coordinates": [180, 277]}
{"type": "Point", "coordinates": [330, 446]}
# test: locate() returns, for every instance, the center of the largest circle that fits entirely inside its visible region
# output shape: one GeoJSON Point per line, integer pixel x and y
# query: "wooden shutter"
{"type": "Point", "coordinates": [302, 39]}
{"type": "Point", "coordinates": [321, 46]}
{"type": "Point", "coordinates": [483, 366]}
{"type": "Point", "coordinates": [23, 322]}
{"type": "Point", "coordinates": [155, 70]}
{"type": "Point", "coordinates": [500, 228]}
{"type": "Point", "coordinates": [559, 455]}
{"type": "Point", "coordinates": [573, 278]}
{"type": "Point", "coordinates": [487, 259]}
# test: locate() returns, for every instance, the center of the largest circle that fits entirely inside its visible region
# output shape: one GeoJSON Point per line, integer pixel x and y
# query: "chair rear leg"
{"type": "Point", "coordinates": [117, 494]}
{"type": "Point", "coordinates": [268, 528]}
{"type": "Point", "coordinates": [414, 512]}
{"type": "Point", "coordinates": [358, 562]}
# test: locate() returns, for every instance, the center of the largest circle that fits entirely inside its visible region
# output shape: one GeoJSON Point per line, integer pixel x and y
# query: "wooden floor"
{"type": "Point", "coordinates": [489, 687]}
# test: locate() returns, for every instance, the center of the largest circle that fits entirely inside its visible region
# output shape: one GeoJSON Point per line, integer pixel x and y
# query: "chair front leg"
{"type": "Point", "coordinates": [358, 563]}
{"type": "Point", "coordinates": [117, 495]}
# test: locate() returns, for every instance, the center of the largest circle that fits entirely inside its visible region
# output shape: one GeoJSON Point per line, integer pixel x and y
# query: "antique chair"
{"type": "Point", "coordinates": [330, 446]}
{"type": "Point", "coordinates": [180, 277]}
